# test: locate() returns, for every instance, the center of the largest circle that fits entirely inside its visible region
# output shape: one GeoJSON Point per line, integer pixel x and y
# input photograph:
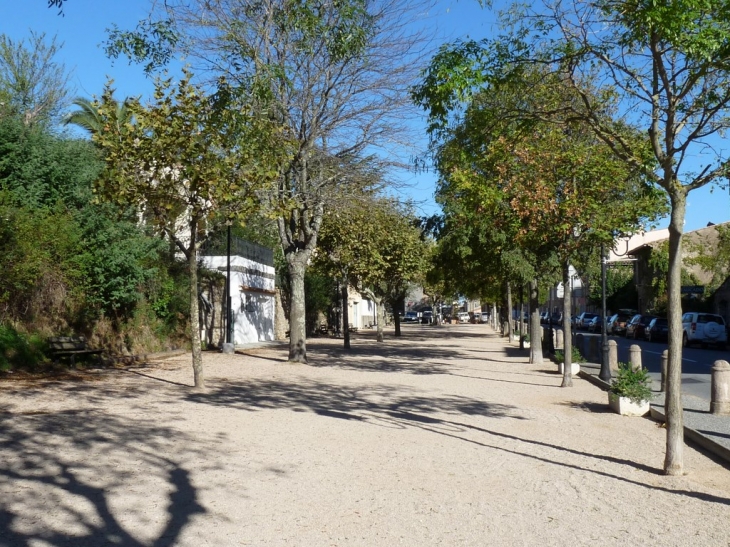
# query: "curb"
{"type": "Point", "coordinates": [713, 437]}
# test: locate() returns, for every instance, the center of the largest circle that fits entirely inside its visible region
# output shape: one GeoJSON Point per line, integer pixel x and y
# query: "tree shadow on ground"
{"type": "Point", "coordinates": [595, 408]}
{"type": "Point", "coordinates": [382, 358]}
{"type": "Point", "coordinates": [59, 470]}
{"type": "Point", "coordinates": [338, 401]}
{"type": "Point", "coordinates": [427, 425]}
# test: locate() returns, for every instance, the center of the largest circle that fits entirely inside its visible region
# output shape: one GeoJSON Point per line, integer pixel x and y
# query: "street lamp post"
{"type": "Point", "coordinates": [605, 373]}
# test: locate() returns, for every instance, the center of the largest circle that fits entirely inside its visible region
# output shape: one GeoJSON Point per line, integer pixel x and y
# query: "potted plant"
{"type": "Point", "coordinates": [576, 360]}
{"type": "Point", "coordinates": [525, 341]}
{"type": "Point", "coordinates": [630, 392]}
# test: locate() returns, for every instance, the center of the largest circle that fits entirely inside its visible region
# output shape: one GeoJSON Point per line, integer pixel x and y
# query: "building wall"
{"type": "Point", "coordinates": [253, 301]}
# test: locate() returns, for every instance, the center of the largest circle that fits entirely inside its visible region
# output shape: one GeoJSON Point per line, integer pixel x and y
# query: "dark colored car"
{"type": "Point", "coordinates": [657, 330]}
{"type": "Point", "coordinates": [596, 324]}
{"type": "Point", "coordinates": [557, 318]}
{"type": "Point", "coordinates": [410, 317]}
{"type": "Point", "coordinates": [636, 327]}
{"type": "Point", "coordinates": [617, 323]}
{"type": "Point", "coordinates": [583, 320]}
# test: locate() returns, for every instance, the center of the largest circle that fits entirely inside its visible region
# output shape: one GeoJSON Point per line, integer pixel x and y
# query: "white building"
{"type": "Point", "coordinates": [252, 291]}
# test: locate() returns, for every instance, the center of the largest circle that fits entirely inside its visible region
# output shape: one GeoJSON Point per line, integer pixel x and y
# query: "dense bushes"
{"type": "Point", "coordinates": [19, 351]}
{"type": "Point", "coordinates": [71, 265]}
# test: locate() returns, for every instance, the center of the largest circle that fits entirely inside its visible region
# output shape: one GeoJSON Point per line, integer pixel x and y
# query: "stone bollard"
{"type": "Point", "coordinates": [505, 329]}
{"type": "Point", "coordinates": [228, 348]}
{"type": "Point", "coordinates": [665, 364]}
{"type": "Point", "coordinates": [720, 388]}
{"type": "Point", "coordinates": [613, 357]}
{"type": "Point", "coordinates": [635, 356]}
{"type": "Point", "coordinates": [559, 339]}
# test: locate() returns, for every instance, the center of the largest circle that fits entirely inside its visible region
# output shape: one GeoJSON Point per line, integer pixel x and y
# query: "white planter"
{"type": "Point", "coordinates": [574, 368]}
{"type": "Point", "coordinates": [626, 407]}
{"type": "Point", "coordinates": [526, 345]}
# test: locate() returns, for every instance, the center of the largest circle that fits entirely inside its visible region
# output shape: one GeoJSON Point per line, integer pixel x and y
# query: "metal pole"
{"type": "Point", "coordinates": [605, 373]}
{"type": "Point", "coordinates": [228, 286]}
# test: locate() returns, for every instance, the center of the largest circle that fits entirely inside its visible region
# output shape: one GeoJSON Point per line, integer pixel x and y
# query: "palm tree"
{"type": "Point", "coordinates": [88, 117]}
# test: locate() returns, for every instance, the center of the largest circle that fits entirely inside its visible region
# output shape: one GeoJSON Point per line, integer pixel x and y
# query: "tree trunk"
{"type": "Point", "coordinates": [397, 303]}
{"type": "Point", "coordinates": [509, 311]}
{"type": "Point", "coordinates": [380, 320]}
{"type": "Point", "coordinates": [297, 265]}
{"type": "Point", "coordinates": [194, 311]}
{"type": "Point", "coordinates": [535, 327]}
{"type": "Point", "coordinates": [673, 459]}
{"type": "Point", "coordinates": [345, 315]}
{"type": "Point", "coordinates": [567, 339]}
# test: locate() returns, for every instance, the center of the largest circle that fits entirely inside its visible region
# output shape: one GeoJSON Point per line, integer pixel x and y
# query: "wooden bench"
{"type": "Point", "coordinates": [69, 346]}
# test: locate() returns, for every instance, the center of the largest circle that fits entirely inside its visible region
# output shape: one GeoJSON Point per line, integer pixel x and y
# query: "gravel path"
{"type": "Point", "coordinates": [444, 437]}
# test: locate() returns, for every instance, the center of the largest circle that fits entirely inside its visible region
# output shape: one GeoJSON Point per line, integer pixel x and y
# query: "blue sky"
{"type": "Point", "coordinates": [82, 30]}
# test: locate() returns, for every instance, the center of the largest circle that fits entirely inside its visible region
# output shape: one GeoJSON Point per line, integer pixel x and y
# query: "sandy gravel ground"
{"type": "Point", "coordinates": [444, 437]}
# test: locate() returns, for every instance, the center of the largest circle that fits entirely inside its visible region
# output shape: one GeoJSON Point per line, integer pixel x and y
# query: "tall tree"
{"type": "Point", "coordinates": [187, 160]}
{"type": "Point", "coordinates": [543, 180]}
{"type": "Point", "coordinates": [335, 74]}
{"type": "Point", "coordinates": [33, 84]}
{"type": "Point", "coordinates": [667, 62]}
{"type": "Point", "coordinates": [374, 245]}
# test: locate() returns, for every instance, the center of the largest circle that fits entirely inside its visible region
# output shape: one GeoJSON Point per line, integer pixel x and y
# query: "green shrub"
{"type": "Point", "coordinates": [632, 384]}
{"type": "Point", "coordinates": [577, 357]}
{"type": "Point", "coordinates": [19, 351]}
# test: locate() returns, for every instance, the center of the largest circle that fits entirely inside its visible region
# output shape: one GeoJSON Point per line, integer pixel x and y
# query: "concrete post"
{"type": "Point", "coordinates": [559, 339]}
{"type": "Point", "coordinates": [720, 388]}
{"type": "Point", "coordinates": [505, 329]}
{"type": "Point", "coordinates": [613, 357]}
{"type": "Point", "coordinates": [635, 356]}
{"type": "Point", "coordinates": [228, 348]}
{"type": "Point", "coordinates": [665, 364]}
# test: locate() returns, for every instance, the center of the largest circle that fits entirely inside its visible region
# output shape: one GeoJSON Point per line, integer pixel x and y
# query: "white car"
{"type": "Point", "coordinates": [463, 317]}
{"type": "Point", "coordinates": [703, 328]}
{"type": "Point", "coordinates": [484, 317]}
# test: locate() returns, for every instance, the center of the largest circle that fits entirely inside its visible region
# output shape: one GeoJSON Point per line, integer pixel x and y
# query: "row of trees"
{"type": "Point", "coordinates": [645, 86]}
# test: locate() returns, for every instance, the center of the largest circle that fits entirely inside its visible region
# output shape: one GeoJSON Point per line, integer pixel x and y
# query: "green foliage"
{"type": "Point", "coordinates": [33, 86]}
{"type": "Point", "coordinates": [19, 351]}
{"type": "Point", "coordinates": [152, 43]}
{"type": "Point", "coordinates": [320, 292]}
{"type": "Point", "coordinates": [633, 384]}
{"type": "Point", "coordinates": [38, 168]}
{"type": "Point", "coordinates": [69, 264]}
{"type": "Point", "coordinates": [576, 356]}
{"type": "Point", "coordinates": [620, 287]}
{"type": "Point", "coordinates": [116, 259]}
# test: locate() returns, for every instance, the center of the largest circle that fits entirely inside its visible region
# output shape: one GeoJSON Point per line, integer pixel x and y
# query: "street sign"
{"type": "Point", "coordinates": [559, 291]}
{"type": "Point", "coordinates": [693, 289]}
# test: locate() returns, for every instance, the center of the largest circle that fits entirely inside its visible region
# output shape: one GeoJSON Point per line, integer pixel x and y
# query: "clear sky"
{"type": "Point", "coordinates": [83, 28]}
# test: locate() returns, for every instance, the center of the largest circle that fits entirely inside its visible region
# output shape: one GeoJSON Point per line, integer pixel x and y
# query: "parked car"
{"type": "Point", "coordinates": [410, 317]}
{"type": "Point", "coordinates": [636, 327]}
{"type": "Point", "coordinates": [596, 324]}
{"type": "Point", "coordinates": [703, 328]}
{"type": "Point", "coordinates": [617, 323]}
{"type": "Point", "coordinates": [583, 320]}
{"type": "Point", "coordinates": [544, 317]}
{"type": "Point", "coordinates": [463, 317]}
{"type": "Point", "coordinates": [556, 318]}
{"type": "Point", "coordinates": [427, 317]}
{"type": "Point", "coordinates": [658, 330]}
{"type": "Point", "coordinates": [484, 318]}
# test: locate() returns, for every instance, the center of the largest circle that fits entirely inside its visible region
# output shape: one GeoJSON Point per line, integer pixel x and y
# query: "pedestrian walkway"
{"type": "Point", "coordinates": [445, 436]}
